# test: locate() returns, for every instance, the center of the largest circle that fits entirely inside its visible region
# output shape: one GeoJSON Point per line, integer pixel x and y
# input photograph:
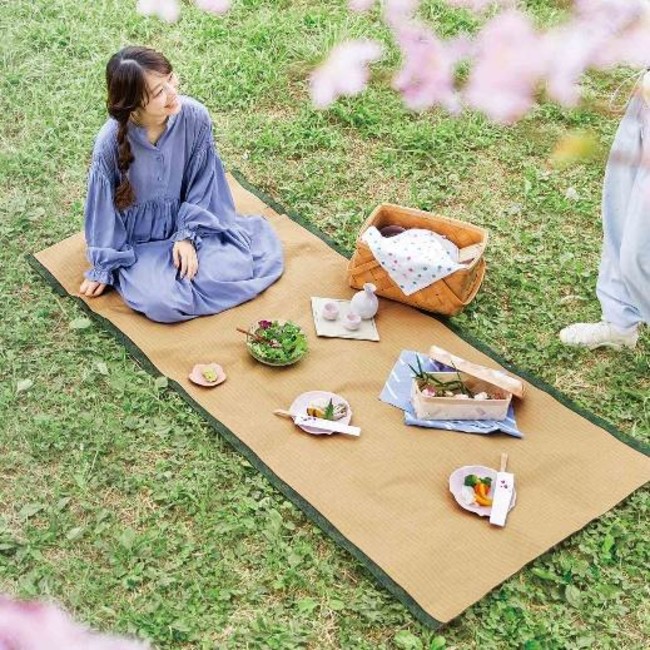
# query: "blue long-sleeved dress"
{"type": "Point", "coordinates": [181, 193]}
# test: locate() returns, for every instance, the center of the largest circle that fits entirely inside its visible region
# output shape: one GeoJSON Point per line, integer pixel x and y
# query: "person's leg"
{"type": "Point", "coordinates": [237, 266]}
{"type": "Point", "coordinates": [619, 324]}
{"type": "Point", "coordinates": [152, 285]}
{"type": "Point", "coordinates": [620, 227]}
{"type": "Point", "coordinates": [635, 251]}
{"type": "Point", "coordinates": [620, 205]}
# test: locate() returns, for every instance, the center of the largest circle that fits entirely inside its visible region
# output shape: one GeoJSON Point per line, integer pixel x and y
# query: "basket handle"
{"type": "Point", "coordinates": [478, 279]}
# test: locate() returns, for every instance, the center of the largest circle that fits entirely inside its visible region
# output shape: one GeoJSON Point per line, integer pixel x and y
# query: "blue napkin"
{"type": "Point", "coordinates": [397, 392]}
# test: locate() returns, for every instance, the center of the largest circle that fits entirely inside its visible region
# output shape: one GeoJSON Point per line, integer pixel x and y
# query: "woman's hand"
{"type": "Point", "coordinates": [91, 289]}
{"type": "Point", "coordinates": [185, 258]}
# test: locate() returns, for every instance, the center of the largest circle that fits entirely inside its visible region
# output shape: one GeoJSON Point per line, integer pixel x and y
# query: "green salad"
{"type": "Point", "coordinates": [276, 343]}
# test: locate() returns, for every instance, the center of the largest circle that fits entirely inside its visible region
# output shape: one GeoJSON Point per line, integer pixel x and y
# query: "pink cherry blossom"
{"type": "Point", "coordinates": [167, 10]}
{"type": "Point", "coordinates": [627, 33]}
{"type": "Point", "coordinates": [427, 75]}
{"type": "Point", "coordinates": [612, 12]}
{"type": "Point", "coordinates": [399, 11]}
{"type": "Point", "coordinates": [345, 72]}
{"type": "Point", "coordinates": [39, 626]}
{"type": "Point", "coordinates": [214, 6]}
{"type": "Point", "coordinates": [147, 7]}
{"type": "Point", "coordinates": [632, 48]}
{"type": "Point", "coordinates": [478, 6]}
{"type": "Point", "coordinates": [508, 64]}
{"type": "Point", "coordinates": [602, 33]}
{"type": "Point", "coordinates": [510, 60]}
{"type": "Point", "coordinates": [360, 5]}
{"type": "Point", "coordinates": [568, 51]}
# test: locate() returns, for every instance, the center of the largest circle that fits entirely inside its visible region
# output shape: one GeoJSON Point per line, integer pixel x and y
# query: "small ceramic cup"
{"type": "Point", "coordinates": [352, 321]}
{"type": "Point", "coordinates": [330, 311]}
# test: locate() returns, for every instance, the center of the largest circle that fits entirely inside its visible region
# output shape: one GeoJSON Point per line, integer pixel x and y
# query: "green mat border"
{"type": "Point", "coordinates": [314, 515]}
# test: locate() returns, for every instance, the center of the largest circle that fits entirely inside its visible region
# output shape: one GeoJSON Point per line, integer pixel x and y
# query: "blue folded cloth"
{"type": "Point", "coordinates": [397, 392]}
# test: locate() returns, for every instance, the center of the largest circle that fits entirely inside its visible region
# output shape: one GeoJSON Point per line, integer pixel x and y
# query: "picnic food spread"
{"type": "Point", "coordinates": [459, 390]}
{"type": "Point", "coordinates": [464, 391]}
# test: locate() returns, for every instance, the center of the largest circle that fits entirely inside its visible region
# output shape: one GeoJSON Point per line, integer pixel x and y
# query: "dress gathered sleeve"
{"type": "Point", "coordinates": [106, 240]}
{"type": "Point", "coordinates": [207, 205]}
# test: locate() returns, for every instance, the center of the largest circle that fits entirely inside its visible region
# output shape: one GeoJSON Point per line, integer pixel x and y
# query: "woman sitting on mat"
{"type": "Point", "coordinates": [623, 286]}
{"type": "Point", "coordinates": [160, 221]}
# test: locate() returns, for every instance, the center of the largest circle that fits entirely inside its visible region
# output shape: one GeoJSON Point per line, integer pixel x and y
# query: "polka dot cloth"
{"type": "Point", "coordinates": [413, 259]}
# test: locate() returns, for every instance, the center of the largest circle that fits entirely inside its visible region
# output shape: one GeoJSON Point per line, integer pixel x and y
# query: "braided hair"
{"type": "Point", "coordinates": [127, 91]}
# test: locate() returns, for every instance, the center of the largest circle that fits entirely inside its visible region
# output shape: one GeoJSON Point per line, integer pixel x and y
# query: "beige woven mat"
{"type": "Point", "coordinates": [386, 492]}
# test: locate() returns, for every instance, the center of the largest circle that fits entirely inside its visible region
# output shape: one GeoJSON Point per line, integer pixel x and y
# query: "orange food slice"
{"type": "Point", "coordinates": [482, 501]}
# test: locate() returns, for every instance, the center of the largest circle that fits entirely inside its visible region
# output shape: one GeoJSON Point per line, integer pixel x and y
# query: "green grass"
{"type": "Point", "coordinates": [119, 501]}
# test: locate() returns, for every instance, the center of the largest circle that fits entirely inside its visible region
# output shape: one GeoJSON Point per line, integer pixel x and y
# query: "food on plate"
{"type": "Point", "coordinates": [476, 490]}
{"type": "Point", "coordinates": [276, 343]}
{"type": "Point", "coordinates": [327, 410]}
{"type": "Point", "coordinates": [430, 384]}
{"type": "Point", "coordinates": [210, 374]}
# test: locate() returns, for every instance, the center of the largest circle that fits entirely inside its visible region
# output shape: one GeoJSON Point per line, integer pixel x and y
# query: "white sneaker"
{"type": "Point", "coordinates": [598, 335]}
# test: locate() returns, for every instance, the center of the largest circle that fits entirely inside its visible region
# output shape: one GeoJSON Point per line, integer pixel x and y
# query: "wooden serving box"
{"type": "Point", "coordinates": [477, 379]}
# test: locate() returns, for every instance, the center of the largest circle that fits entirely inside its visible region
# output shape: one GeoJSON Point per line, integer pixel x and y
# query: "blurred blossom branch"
{"type": "Point", "coordinates": [510, 60]}
{"type": "Point", "coordinates": [345, 72]}
{"type": "Point", "coordinates": [170, 10]}
{"type": "Point", "coordinates": [40, 626]}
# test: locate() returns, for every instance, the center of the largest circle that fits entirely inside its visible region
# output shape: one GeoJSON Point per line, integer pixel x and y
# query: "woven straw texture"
{"type": "Point", "coordinates": [384, 496]}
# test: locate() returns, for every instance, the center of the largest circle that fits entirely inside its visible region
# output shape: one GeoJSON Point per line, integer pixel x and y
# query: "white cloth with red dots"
{"type": "Point", "coordinates": [415, 258]}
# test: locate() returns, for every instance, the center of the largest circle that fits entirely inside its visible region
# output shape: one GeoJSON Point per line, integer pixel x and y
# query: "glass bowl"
{"type": "Point", "coordinates": [285, 334]}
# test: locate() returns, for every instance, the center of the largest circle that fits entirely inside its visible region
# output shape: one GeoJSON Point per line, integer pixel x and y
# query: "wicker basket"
{"type": "Point", "coordinates": [447, 296]}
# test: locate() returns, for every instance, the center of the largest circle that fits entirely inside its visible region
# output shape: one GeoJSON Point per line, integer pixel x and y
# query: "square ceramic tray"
{"type": "Point", "coordinates": [334, 328]}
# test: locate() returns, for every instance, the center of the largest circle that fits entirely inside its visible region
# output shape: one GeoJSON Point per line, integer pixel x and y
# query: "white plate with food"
{"type": "Point", "coordinates": [207, 374]}
{"type": "Point", "coordinates": [321, 404]}
{"type": "Point", "coordinates": [473, 486]}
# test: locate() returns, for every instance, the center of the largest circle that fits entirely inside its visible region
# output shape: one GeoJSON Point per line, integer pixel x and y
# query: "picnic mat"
{"type": "Point", "coordinates": [383, 496]}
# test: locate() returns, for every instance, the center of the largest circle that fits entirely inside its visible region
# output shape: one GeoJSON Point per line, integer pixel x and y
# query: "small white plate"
{"type": "Point", "coordinates": [457, 480]}
{"type": "Point", "coordinates": [300, 404]}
